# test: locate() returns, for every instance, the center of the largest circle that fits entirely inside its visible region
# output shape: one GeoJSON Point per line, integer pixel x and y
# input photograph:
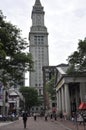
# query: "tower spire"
{"type": "Point", "coordinates": [37, 7]}
{"type": "Point", "coordinates": [37, 3]}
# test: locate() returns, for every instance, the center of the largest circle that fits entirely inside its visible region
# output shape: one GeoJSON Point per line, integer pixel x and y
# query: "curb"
{"type": "Point", "coordinates": [7, 123]}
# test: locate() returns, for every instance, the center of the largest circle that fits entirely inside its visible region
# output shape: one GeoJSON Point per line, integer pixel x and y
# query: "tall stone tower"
{"type": "Point", "coordinates": [38, 38]}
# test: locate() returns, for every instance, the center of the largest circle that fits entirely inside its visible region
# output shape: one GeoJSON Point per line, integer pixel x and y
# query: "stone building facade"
{"type": "Point", "coordinates": [70, 90]}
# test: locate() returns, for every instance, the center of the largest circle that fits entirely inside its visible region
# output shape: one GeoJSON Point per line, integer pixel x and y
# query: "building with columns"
{"type": "Point", "coordinates": [38, 38]}
{"type": "Point", "coordinates": [70, 90]}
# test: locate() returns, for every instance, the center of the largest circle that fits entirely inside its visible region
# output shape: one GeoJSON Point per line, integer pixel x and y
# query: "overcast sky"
{"type": "Point", "coordinates": [64, 19]}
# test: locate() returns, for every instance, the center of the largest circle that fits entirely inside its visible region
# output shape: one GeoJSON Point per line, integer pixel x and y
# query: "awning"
{"type": "Point", "coordinates": [13, 94]}
{"type": "Point", "coordinates": [82, 106]}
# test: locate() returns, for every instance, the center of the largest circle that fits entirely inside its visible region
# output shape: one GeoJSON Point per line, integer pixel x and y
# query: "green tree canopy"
{"type": "Point", "coordinates": [77, 60]}
{"type": "Point", "coordinates": [31, 96]}
{"type": "Point", "coordinates": [2, 52]}
{"type": "Point", "coordinates": [14, 60]}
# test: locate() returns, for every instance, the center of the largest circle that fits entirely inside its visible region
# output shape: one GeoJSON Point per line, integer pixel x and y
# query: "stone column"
{"type": "Point", "coordinates": [67, 99]}
{"type": "Point", "coordinates": [63, 101]}
{"type": "Point", "coordinates": [83, 92]}
{"type": "Point", "coordinates": [59, 101]}
{"type": "Point", "coordinates": [57, 96]}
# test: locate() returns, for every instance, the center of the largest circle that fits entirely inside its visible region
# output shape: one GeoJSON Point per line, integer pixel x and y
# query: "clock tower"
{"type": "Point", "coordinates": [37, 14]}
{"type": "Point", "coordinates": [38, 39]}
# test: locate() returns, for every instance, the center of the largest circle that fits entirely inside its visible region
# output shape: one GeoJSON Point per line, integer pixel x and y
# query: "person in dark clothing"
{"type": "Point", "coordinates": [51, 116]}
{"type": "Point", "coordinates": [55, 116]}
{"type": "Point", "coordinates": [61, 115]}
{"type": "Point", "coordinates": [34, 116]}
{"type": "Point", "coordinates": [46, 116]}
{"type": "Point", "coordinates": [25, 119]}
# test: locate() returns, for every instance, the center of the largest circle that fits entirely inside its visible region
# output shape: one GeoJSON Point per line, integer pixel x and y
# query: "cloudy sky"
{"type": "Point", "coordinates": [64, 19]}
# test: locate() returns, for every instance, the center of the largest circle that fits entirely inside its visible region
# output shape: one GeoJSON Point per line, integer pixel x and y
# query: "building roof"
{"type": "Point", "coordinates": [73, 77]}
{"type": "Point", "coordinates": [62, 68]}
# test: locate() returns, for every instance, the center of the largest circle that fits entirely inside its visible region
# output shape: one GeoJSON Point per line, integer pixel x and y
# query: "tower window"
{"type": "Point", "coordinates": [38, 39]}
{"type": "Point", "coordinates": [35, 84]}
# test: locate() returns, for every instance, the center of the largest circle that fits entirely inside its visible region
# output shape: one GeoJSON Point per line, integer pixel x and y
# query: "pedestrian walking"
{"type": "Point", "coordinates": [25, 118]}
{"type": "Point", "coordinates": [55, 117]}
{"type": "Point", "coordinates": [46, 115]}
{"type": "Point", "coordinates": [80, 118]}
{"type": "Point", "coordinates": [34, 115]}
{"type": "Point", "coordinates": [61, 116]}
{"type": "Point", "coordinates": [51, 116]}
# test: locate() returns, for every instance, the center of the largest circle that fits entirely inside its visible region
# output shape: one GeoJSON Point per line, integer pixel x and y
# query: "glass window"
{"type": "Point", "coordinates": [39, 91]}
{"type": "Point", "coordinates": [39, 39]}
{"type": "Point", "coordinates": [35, 84]}
{"type": "Point", "coordinates": [41, 108]}
{"type": "Point", "coordinates": [36, 108]}
{"type": "Point", "coordinates": [32, 109]}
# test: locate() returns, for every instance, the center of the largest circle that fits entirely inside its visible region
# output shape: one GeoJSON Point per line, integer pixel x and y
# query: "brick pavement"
{"type": "Point", "coordinates": [39, 124]}
{"type": "Point", "coordinates": [66, 124]}
{"type": "Point", "coordinates": [71, 124]}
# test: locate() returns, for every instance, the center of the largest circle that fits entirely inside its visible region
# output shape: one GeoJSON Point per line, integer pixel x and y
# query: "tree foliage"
{"type": "Point", "coordinates": [31, 96]}
{"type": "Point", "coordinates": [77, 60]}
{"type": "Point", "coordinates": [2, 52]}
{"type": "Point", "coordinates": [14, 61]}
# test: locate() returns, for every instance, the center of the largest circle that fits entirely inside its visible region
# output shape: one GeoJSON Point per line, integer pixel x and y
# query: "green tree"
{"type": "Point", "coordinates": [2, 52]}
{"type": "Point", "coordinates": [77, 60]}
{"type": "Point", "coordinates": [14, 61]}
{"type": "Point", "coordinates": [30, 95]}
